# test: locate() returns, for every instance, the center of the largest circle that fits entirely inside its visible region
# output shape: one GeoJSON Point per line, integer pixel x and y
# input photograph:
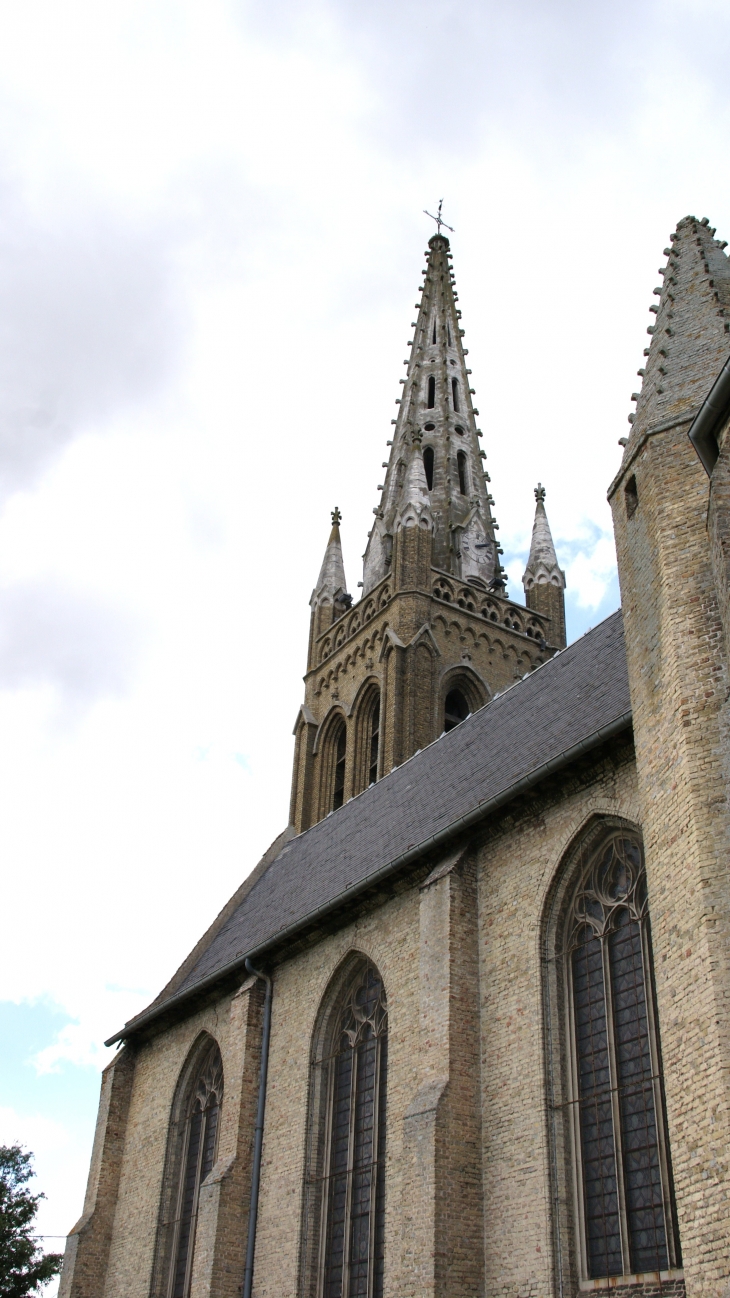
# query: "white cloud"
{"type": "Point", "coordinates": [212, 239]}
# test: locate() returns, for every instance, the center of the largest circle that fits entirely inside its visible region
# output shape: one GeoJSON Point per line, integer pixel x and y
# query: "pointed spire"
{"type": "Point", "coordinates": [543, 579]}
{"type": "Point", "coordinates": [436, 405]}
{"type": "Point", "coordinates": [542, 565]}
{"type": "Point", "coordinates": [690, 334]}
{"type": "Point", "coordinates": [331, 581]}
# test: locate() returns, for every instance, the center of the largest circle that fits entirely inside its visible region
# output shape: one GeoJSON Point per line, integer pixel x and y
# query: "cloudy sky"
{"type": "Point", "coordinates": [211, 237]}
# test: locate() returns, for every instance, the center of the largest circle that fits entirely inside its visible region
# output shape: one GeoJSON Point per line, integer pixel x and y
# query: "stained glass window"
{"type": "Point", "coordinates": [349, 1184]}
{"type": "Point", "coordinates": [624, 1158]}
{"type": "Point", "coordinates": [199, 1150]}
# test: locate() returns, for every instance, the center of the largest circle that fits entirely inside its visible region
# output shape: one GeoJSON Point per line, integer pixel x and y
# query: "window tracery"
{"type": "Point", "coordinates": [191, 1154]}
{"type": "Point", "coordinates": [344, 1217]}
{"type": "Point", "coordinates": [626, 1223]}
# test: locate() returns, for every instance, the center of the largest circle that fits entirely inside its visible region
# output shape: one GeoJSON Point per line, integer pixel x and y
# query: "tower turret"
{"type": "Point", "coordinates": [543, 578]}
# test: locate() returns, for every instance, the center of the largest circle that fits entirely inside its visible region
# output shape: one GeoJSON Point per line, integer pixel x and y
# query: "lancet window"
{"type": "Point", "coordinates": [615, 1095]}
{"type": "Point", "coordinates": [191, 1153]}
{"type": "Point", "coordinates": [339, 754]}
{"type": "Point", "coordinates": [461, 465]}
{"type": "Point", "coordinates": [431, 401]}
{"type": "Point", "coordinates": [456, 709]}
{"type": "Point", "coordinates": [428, 466]}
{"type": "Point", "coordinates": [373, 741]}
{"type": "Point", "coordinates": [455, 393]}
{"type": "Point", "coordinates": [344, 1210]}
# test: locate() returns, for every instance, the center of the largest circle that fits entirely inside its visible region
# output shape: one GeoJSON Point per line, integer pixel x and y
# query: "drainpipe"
{"type": "Point", "coordinates": [258, 1138]}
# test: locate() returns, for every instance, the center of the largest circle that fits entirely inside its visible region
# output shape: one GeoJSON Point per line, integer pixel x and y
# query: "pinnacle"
{"type": "Point", "coordinates": [542, 565]}
{"type": "Point", "coordinates": [690, 334]}
{"type": "Point", "coordinates": [331, 581]}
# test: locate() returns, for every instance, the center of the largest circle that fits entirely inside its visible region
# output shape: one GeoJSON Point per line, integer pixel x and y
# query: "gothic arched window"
{"type": "Point", "coordinates": [191, 1153]}
{"type": "Point", "coordinates": [339, 754]}
{"type": "Point", "coordinates": [373, 741]}
{"type": "Point", "coordinates": [625, 1215]}
{"type": "Point", "coordinates": [456, 709]}
{"type": "Point", "coordinates": [428, 466]}
{"type": "Point", "coordinates": [344, 1217]}
{"type": "Point", "coordinates": [455, 393]}
{"type": "Point", "coordinates": [431, 392]}
{"type": "Point", "coordinates": [461, 465]}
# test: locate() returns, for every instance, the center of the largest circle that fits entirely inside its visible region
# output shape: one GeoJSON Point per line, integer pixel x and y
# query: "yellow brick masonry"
{"type": "Point", "coordinates": [673, 587]}
{"type": "Point", "coordinates": [468, 1202]}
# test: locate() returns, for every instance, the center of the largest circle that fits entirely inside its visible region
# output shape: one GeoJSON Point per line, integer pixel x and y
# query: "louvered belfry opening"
{"type": "Point", "coordinates": [344, 1217]}
{"type": "Point", "coordinates": [339, 745]}
{"type": "Point", "coordinates": [200, 1139]}
{"type": "Point", "coordinates": [619, 1128]}
{"type": "Point", "coordinates": [374, 741]}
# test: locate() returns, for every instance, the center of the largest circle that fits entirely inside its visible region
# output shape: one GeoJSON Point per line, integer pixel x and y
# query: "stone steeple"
{"type": "Point", "coordinates": [436, 408]}
{"type": "Point", "coordinates": [434, 635]}
{"type": "Point", "coordinates": [690, 335]}
{"type": "Point", "coordinates": [543, 578]}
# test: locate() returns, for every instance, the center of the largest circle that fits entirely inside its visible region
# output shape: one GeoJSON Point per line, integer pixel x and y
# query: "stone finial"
{"type": "Point", "coordinates": [540, 494]}
{"type": "Point", "coordinates": [336, 517]}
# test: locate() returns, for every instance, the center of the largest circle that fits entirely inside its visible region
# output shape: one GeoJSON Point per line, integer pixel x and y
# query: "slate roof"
{"type": "Point", "coordinates": [571, 702]}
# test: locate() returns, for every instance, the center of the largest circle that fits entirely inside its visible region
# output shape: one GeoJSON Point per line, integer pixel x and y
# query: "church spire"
{"type": "Point", "coordinates": [436, 407]}
{"type": "Point", "coordinates": [543, 578]}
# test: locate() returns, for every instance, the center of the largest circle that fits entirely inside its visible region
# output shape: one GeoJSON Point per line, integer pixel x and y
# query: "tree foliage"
{"type": "Point", "coordinates": [24, 1267]}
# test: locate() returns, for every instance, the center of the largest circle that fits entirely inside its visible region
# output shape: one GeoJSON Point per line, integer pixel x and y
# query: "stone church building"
{"type": "Point", "coordinates": [465, 1029]}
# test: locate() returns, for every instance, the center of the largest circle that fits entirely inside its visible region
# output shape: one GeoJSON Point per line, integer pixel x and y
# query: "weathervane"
{"type": "Point", "coordinates": [438, 219]}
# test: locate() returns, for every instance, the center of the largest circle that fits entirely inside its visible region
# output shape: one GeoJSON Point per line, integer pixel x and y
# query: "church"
{"type": "Point", "coordinates": [465, 1028]}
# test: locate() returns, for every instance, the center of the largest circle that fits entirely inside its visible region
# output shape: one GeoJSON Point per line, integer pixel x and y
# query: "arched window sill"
{"type": "Point", "coordinates": [622, 1281]}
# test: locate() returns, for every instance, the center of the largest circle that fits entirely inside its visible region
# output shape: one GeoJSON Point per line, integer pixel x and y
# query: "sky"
{"type": "Point", "coordinates": [211, 238]}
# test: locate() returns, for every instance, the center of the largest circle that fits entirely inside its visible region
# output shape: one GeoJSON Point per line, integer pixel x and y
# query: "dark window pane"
{"type": "Point", "coordinates": [201, 1133]}
{"type": "Point", "coordinates": [189, 1197]}
{"type": "Point", "coordinates": [640, 1145]}
{"type": "Point", "coordinates": [603, 1239]}
{"type": "Point", "coordinates": [456, 709]}
{"type": "Point", "coordinates": [340, 745]}
{"type": "Point", "coordinates": [374, 742]}
{"type": "Point", "coordinates": [355, 1189]}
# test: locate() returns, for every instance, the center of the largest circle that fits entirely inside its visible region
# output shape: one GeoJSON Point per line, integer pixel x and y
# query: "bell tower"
{"type": "Point", "coordinates": [434, 634]}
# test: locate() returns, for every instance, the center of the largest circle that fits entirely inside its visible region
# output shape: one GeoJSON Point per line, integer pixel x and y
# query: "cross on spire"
{"type": "Point", "coordinates": [540, 494]}
{"type": "Point", "coordinates": [336, 517]}
{"type": "Point", "coordinates": [439, 219]}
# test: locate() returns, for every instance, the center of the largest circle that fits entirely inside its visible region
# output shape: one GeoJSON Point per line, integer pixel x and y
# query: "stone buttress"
{"type": "Point", "coordinates": [678, 672]}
